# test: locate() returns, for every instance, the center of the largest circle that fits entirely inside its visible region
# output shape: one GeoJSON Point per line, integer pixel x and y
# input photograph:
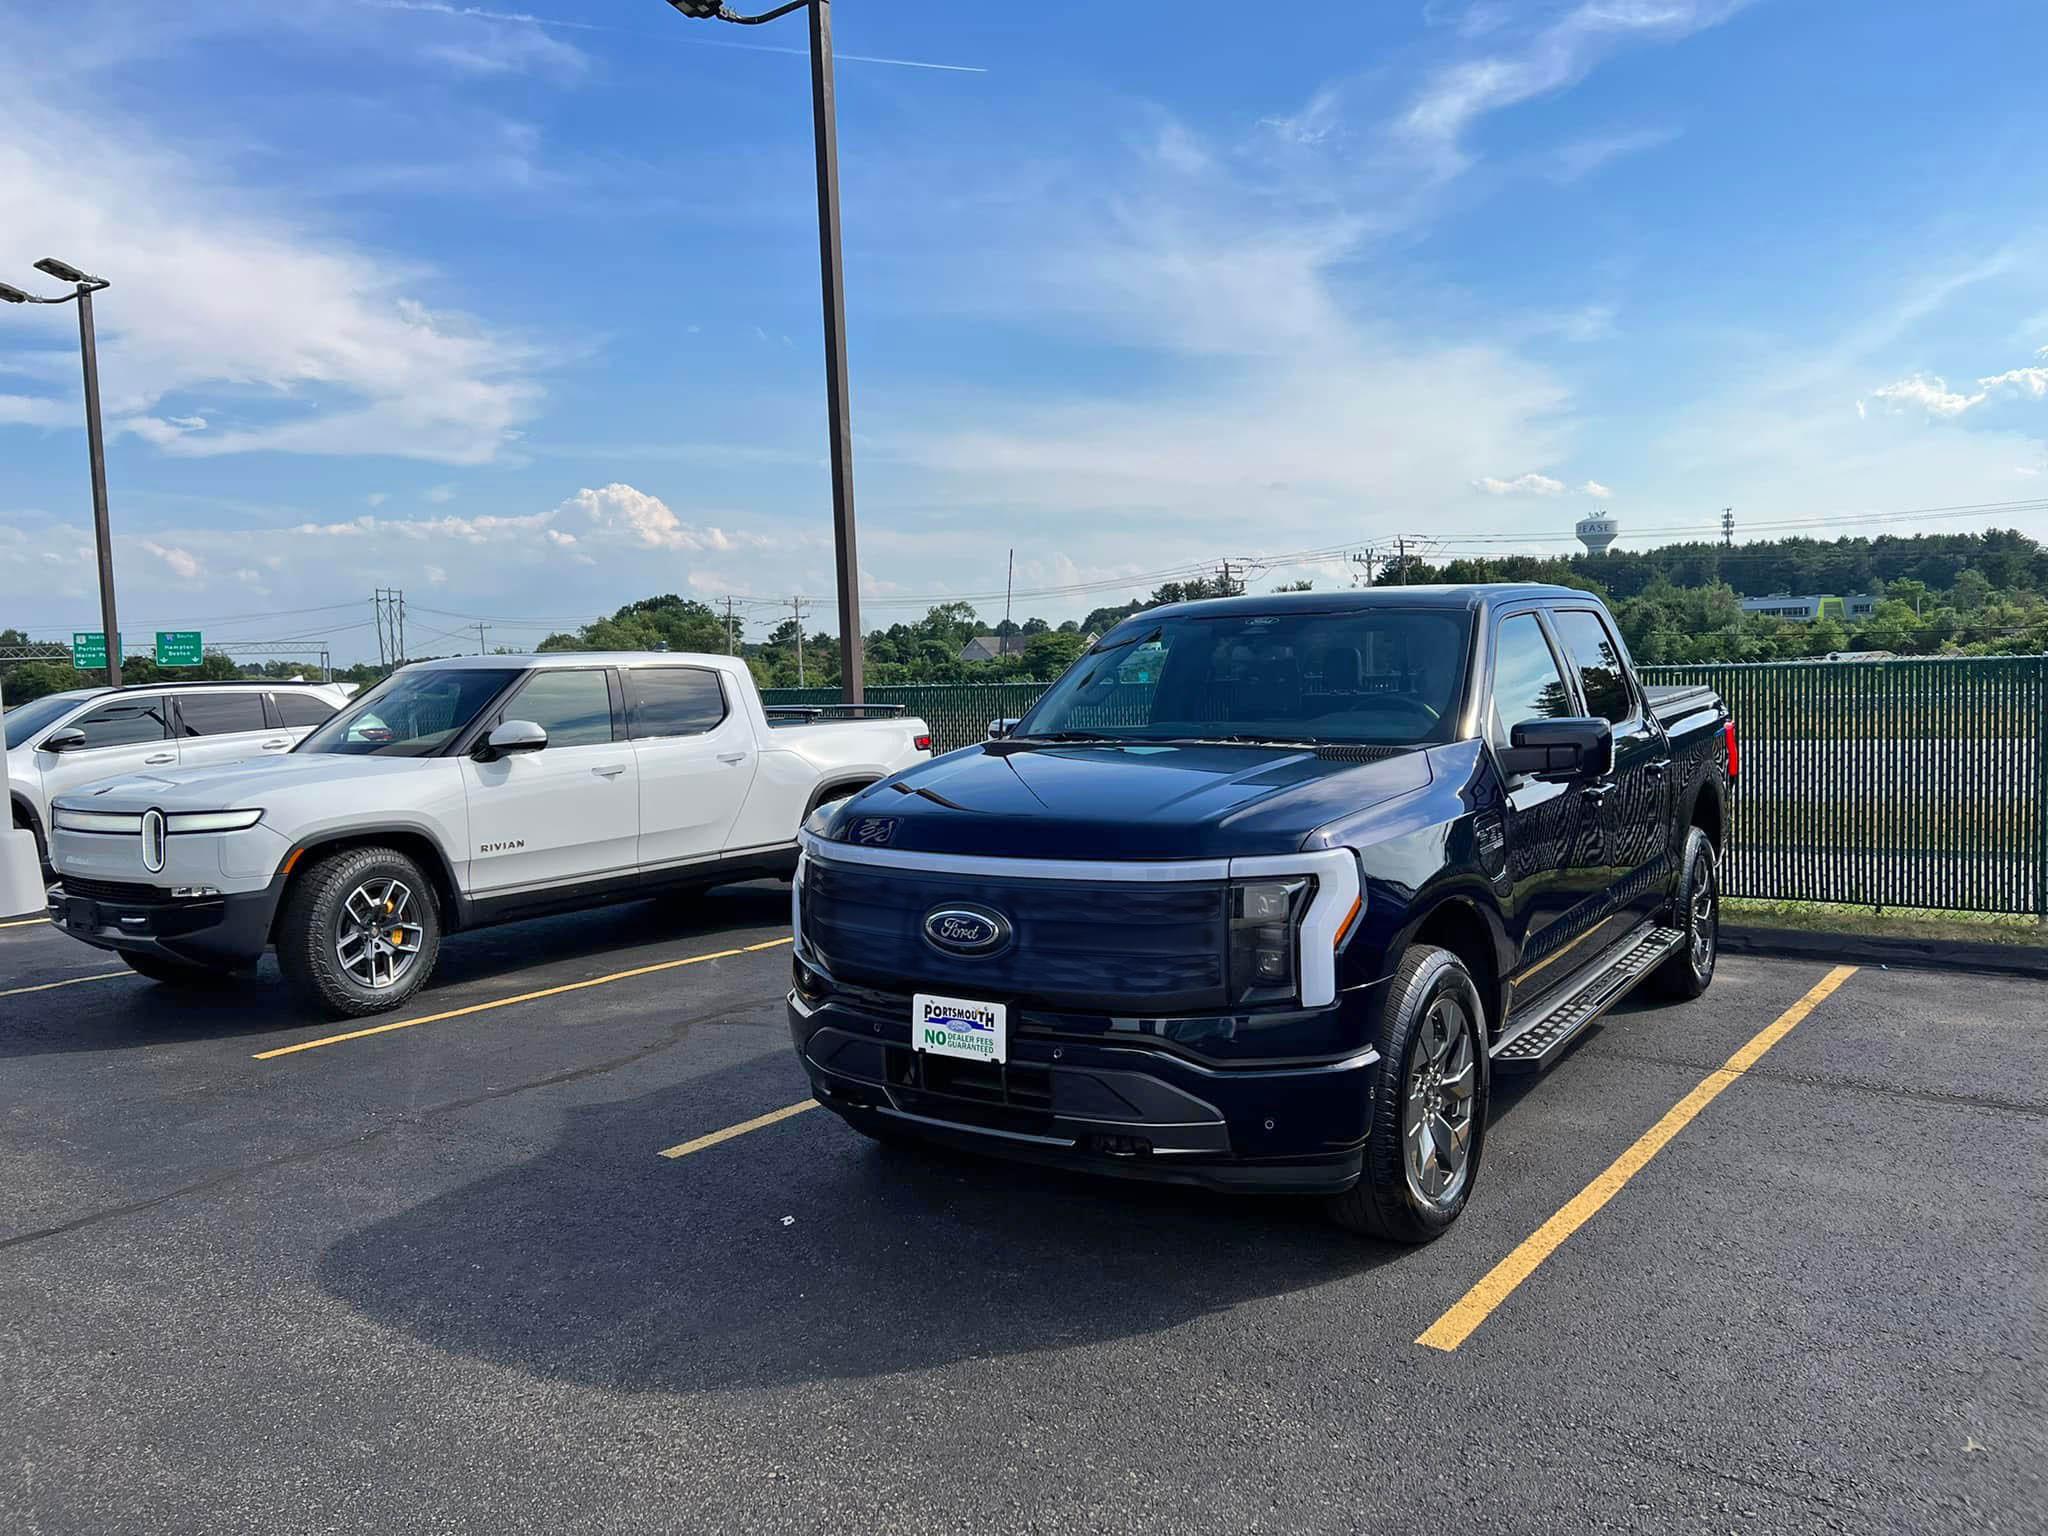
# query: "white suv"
{"type": "Point", "coordinates": [63, 740]}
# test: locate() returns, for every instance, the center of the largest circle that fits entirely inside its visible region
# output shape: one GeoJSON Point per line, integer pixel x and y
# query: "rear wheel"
{"type": "Point", "coordinates": [360, 932]}
{"type": "Point", "coordinates": [175, 973]}
{"type": "Point", "coordinates": [1697, 908]}
{"type": "Point", "coordinates": [1429, 1093]}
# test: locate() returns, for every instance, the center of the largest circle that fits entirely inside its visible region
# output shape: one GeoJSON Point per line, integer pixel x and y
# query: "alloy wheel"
{"type": "Point", "coordinates": [379, 935]}
{"type": "Point", "coordinates": [1437, 1110]}
{"type": "Point", "coordinates": [1704, 920]}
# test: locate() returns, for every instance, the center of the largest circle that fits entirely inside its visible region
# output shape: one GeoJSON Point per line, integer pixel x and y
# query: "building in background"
{"type": "Point", "coordinates": [1784, 605]}
{"type": "Point", "coordinates": [1597, 532]}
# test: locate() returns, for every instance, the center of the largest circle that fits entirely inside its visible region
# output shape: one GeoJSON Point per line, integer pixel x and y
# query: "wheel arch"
{"type": "Point", "coordinates": [1459, 924]}
{"type": "Point", "coordinates": [844, 787]}
{"type": "Point", "coordinates": [410, 841]}
{"type": "Point", "coordinates": [1710, 815]}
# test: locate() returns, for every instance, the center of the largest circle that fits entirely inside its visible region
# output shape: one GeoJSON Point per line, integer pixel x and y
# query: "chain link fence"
{"type": "Point", "coordinates": [1908, 783]}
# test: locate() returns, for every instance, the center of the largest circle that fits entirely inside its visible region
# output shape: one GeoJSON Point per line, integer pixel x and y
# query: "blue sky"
{"type": "Point", "coordinates": [517, 310]}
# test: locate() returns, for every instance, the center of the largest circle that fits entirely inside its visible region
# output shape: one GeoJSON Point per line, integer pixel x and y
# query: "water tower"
{"type": "Point", "coordinates": [1597, 532]}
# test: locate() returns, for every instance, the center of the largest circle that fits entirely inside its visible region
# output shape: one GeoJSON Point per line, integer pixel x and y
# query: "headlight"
{"type": "Point", "coordinates": [211, 821]}
{"type": "Point", "coordinates": [1265, 917]}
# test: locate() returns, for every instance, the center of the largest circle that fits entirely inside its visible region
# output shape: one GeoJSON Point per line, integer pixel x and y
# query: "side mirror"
{"type": "Point", "coordinates": [1559, 749]}
{"type": "Point", "coordinates": [70, 739]}
{"type": "Point", "coordinates": [998, 729]}
{"type": "Point", "coordinates": [513, 736]}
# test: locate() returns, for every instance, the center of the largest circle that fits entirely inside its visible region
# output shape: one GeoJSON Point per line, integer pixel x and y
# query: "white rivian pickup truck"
{"type": "Point", "coordinates": [455, 794]}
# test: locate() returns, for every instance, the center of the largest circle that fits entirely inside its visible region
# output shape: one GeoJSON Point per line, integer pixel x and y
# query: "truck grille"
{"type": "Point", "coordinates": [1136, 947]}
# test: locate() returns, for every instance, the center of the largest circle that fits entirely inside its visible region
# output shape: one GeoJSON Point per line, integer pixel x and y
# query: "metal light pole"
{"type": "Point", "coordinates": [83, 288]}
{"type": "Point", "coordinates": [838, 398]}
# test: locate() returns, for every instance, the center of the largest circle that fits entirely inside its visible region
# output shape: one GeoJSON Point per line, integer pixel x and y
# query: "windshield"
{"type": "Point", "coordinates": [411, 714]}
{"type": "Point", "coordinates": [1388, 676]}
{"type": "Point", "coordinates": [24, 720]}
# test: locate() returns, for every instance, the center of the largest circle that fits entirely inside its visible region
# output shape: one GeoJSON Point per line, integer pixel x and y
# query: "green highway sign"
{"type": "Point", "coordinates": [178, 648]}
{"type": "Point", "coordinates": [89, 648]}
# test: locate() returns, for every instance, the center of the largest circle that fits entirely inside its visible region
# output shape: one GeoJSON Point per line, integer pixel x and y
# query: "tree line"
{"type": "Point", "coordinates": [1946, 594]}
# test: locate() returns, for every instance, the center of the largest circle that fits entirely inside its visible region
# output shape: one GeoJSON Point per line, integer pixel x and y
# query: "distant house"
{"type": "Point", "coordinates": [992, 647]}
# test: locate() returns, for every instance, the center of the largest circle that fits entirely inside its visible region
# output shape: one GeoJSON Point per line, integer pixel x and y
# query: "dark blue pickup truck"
{"type": "Point", "coordinates": [1264, 891]}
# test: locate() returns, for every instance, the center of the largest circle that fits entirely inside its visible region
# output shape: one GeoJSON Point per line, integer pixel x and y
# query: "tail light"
{"type": "Point", "coordinates": [1734, 750]}
{"type": "Point", "coordinates": [922, 743]}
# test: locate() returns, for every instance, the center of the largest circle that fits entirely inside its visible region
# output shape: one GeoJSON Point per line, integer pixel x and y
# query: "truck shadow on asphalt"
{"type": "Point", "coordinates": [599, 1263]}
{"type": "Point", "coordinates": [122, 1014]}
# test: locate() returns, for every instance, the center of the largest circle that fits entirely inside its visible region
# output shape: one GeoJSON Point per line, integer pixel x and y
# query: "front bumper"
{"type": "Point", "coordinates": [218, 932]}
{"type": "Point", "coordinates": [1128, 1110]}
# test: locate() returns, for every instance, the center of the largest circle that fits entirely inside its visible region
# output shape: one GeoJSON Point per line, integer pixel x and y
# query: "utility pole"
{"type": "Point", "coordinates": [481, 627]}
{"type": "Point", "coordinates": [1367, 559]}
{"type": "Point", "coordinates": [401, 626]}
{"type": "Point", "coordinates": [796, 608]}
{"type": "Point", "coordinates": [1727, 527]}
{"type": "Point", "coordinates": [1009, 586]}
{"type": "Point", "coordinates": [1228, 580]}
{"type": "Point", "coordinates": [1401, 557]}
{"type": "Point", "coordinates": [728, 625]}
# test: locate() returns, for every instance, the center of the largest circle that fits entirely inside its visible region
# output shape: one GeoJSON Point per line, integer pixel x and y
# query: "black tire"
{"type": "Point", "coordinates": [312, 922]}
{"type": "Point", "coordinates": [25, 821]}
{"type": "Point", "coordinates": [1690, 970]}
{"type": "Point", "coordinates": [1384, 1203]}
{"type": "Point", "coordinates": [176, 973]}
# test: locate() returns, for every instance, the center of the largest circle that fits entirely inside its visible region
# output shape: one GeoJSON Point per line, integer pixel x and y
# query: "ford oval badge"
{"type": "Point", "coordinates": [965, 930]}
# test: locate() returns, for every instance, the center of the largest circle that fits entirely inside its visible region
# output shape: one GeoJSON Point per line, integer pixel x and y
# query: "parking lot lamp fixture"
{"type": "Point", "coordinates": [83, 287]}
{"type": "Point", "coordinates": [839, 406]}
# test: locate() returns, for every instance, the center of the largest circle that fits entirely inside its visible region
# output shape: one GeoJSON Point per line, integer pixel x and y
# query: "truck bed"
{"type": "Point", "coordinates": [1672, 704]}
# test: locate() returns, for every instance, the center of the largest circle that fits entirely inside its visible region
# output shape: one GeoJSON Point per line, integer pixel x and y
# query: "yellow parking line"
{"type": "Point", "coordinates": [741, 1129]}
{"type": "Point", "coordinates": [1456, 1325]}
{"type": "Point", "coordinates": [74, 981]}
{"type": "Point", "coordinates": [507, 1002]}
{"type": "Point", "coordinates": [24, 922]}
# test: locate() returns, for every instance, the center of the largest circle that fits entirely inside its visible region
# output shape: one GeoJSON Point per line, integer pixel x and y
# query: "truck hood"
{"type": "Point", "coordinates": [249, 785]}
{"type": "Point", "coordinates": [1130, 802]}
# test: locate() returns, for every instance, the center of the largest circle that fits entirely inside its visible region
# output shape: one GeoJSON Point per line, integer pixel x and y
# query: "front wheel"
{"type": "Point", "coordinates": [360, 932]}
{"type": "Point", "coordinates": [1697, 908]}
{"type": "Point", "coordinates": [1429, 1092]}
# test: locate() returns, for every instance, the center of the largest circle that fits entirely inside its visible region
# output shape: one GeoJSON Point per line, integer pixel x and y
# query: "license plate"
{"type": "Point", "coordinates": [959, 1026]}
{"type": "Point", "coordinates": [81, 914]}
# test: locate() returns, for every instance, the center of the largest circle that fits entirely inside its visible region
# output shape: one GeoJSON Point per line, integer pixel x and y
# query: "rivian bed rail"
{"type": "Point", "coordinates": [454, 794]}
{"type": "Point", "coordinates": [1264, 891]}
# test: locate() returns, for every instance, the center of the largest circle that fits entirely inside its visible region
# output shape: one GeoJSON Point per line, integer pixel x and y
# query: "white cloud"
{"type": "Point", "coordinates": [2031, 382]}
{"type": "Point", "coordinates": [440, 495]}
{"type": "Point", "coordinates": [1931, 393]}
{"type": "Point", "coordinates": [1596, 489]}
{"type": "Point", "coordinates": [321, 339]}
{"type": "Point", "coordinates": [1580, 158]}
{"type": "Point", "coordinates": [1547, 60]}
{"type": "Point", "coordinates": [1531, 484]}
{"type": "Point", "coordinates": [1313, 124]}
{"type": "Point", "coordinates": [624, 513]}
{"type": "Point", "coordinates": [183, 563]}
{"type": "Point", "coordinates": [377, 498]}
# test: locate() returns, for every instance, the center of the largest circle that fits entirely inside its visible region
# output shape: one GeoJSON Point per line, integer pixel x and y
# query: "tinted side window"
{"type": "Point", "coordinates": [302, 708]}
{"type": "Point", "coordinates": [1526, 682]}
{"type": "Point", "coordinates": [1598, 658]}
{"type": "Point", "coordinates": [124, 723]}
{"type": "Point", "coordinates": [574, 708]}
{"type": "Point", "coordinates": [672, 701]}
{"type": "Point", "coordinates": [219, 714]}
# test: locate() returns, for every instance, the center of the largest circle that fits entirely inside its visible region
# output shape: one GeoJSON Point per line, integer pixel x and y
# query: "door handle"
{"type": "Point", "coordinates": [732, 757]}
{"type": "Point", "coordinates": [609, 773]}
{"type": "Point", "coordinates": [161, 757]}
{"type": "Point", "coordinates": [277, 746]}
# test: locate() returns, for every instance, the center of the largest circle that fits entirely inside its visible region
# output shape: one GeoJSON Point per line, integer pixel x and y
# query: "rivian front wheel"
{"type": "Point", "coordinates": [360, 932]}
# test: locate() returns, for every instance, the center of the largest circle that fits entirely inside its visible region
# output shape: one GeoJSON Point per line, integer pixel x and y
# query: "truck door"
{"type": "Point", "coordinates": [1632, 864]}
{"type": "Point", "coordinates": [130, 733]}
{"type": "Point", "coordinates": [223, 725]}
{"type": "Point", "coordinates": [1544, 822]}
{"type": "Point", "coordinates": [569, 813]}
{"type": "Point", "coordinates": [697, 758]}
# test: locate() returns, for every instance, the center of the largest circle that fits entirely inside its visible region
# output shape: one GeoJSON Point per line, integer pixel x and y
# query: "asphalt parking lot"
{"type": "Point", "coordinates": [440, 1277]}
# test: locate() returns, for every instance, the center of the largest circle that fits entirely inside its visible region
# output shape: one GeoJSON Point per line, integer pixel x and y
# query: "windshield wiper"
{"type": "Point", "coordinates": [1069, 738]}
{"type": "Point", "coordinates": [1241, 739]}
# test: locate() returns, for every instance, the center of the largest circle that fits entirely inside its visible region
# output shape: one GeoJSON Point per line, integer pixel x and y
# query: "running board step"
{"type": "Point", "coordinates": [1537, 1043]}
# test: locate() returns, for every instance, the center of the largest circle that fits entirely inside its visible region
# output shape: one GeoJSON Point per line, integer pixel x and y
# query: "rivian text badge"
{"type": "Point", "coordinates": [959, 1026]}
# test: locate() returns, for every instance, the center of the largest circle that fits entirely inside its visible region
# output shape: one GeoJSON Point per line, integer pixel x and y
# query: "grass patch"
{"type": "Point", "coordinates": [1884, 922]}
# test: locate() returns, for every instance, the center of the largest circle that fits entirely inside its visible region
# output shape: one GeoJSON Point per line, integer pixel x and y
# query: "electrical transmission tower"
{"type": "Point", "coordinates": [388, 607]}
{"type": "Point", "coordinates": [1727, 527]}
